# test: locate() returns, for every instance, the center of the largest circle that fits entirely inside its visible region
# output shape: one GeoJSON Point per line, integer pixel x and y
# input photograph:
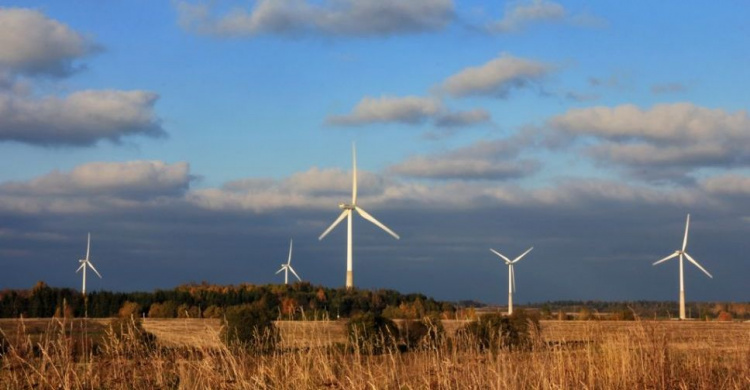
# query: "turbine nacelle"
{"type": "Point", "coordinates": [346, 206]}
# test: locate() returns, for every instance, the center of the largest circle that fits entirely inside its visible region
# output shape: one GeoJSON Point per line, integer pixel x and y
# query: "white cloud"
{"type": "Point", "coordinates": [519, 15]}
{"type": "Point", "coordinates": [462, 118]}
{"type": "Point", "coordinates": [31, 43]}
{"type": "Point", "coordinates": [98, 187]}
{"type": "Point", "coordinates": [330, 17]}
{"type": "Point", "coordinates": [126, 179]}
{"type": "Point", "coordinates": [79, 119]}
{"type": "Point", "coordinates": [496, 78]}
{"type": "Point", "coordinates": [665, 140]}
{"type": "Point", "coordinates": [408, 110]}
{"type": "Point", "coordinates": [485, 160]}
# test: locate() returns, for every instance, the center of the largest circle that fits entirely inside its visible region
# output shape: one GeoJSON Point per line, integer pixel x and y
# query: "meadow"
{"type": "Point", "coordinates": [188, 354]}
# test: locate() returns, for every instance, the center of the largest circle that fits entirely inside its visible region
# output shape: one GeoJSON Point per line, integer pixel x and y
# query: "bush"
{"type": "Point", "coordinates": [251, 327]}
{"type": "Point", "coordinates": [372, 334]}
{"type": "Point", "coordinates": [427, 332]}
{"type": "Point", "coordinates": [495, 331]}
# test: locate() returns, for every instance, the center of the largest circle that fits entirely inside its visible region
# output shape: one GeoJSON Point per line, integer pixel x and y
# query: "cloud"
{"type": "Point", "coordinates": [484, 160]}
{"type": "Point", "coordinates": [678, 137]}
{"type": "Point", "coordinates": [80, 119]}
{"type": "Point", "coordinates": [102, 186]}
{"type": "Point", "coordinates": [33, 44]}
{"type": "Point", "coordinates": [496, 78]}
{"type": "Point", "coordinates": [328, 17]}
{"type": "Point", "coordinates": [521, 14]}
{"type": "Point", "coordinates": [408, 110]}
{"type": "Point", "coordinates": [659, 89]}
{"type": "Point", "coordinates": [462, 118]}
{"type": "Point", "coordinates": [728, 184]}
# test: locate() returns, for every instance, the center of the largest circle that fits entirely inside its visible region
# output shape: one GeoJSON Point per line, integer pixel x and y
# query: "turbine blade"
{"type": "Point", "coordinates": [507, 260]}
{"type": "Point", "coordinates": [354, 175]}
{"type": "Point", "coordinates": [684, 240]}
{"type": "Point", "coordinates": [522, 255]}
{"type": "Point", "coordinates": [333, 225]}
{"type": "Point", "coordinates": [88, 247]}
{"type": "Point", "coordinates": [377, 223]}
{"type": "Point", "coordinates": [692, 260]}
{"type": "Point", "coordinates": [290, 252]}
{"type": "Point", "coordinates": [281, 269]}
{"type": "Point", "coordinates": [513, 277]}
{"type": "Point", "coordinates": [81, 267]}
{"type": "Point", "coordinates": [294, 273]}
{"type": "Point", "coordinates": [673, 255]}
{"type": "Point", "coordinates": [94, 269]}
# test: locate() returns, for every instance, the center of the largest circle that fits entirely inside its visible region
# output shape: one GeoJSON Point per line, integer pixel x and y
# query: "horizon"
{"type": "Point", "coordinates": [194, 139]}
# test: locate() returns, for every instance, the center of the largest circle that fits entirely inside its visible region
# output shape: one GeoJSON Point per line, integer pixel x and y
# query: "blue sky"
{"type": "Point", "coordinates": [195, 138]}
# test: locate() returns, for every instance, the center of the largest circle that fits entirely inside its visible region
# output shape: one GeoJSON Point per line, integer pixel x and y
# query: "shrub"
{"type": "Point", "coordinates": [371, 334]}
{"type": "Point", "coordinates": [427, 332]}
{"type": "Point", "coordinates": [495, 331]}
{"type": "Point", "coordinates": [251, 327]}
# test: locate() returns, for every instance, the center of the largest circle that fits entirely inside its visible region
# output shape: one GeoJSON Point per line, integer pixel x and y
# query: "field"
{"type": "Point", "coordinates": [189, 355]}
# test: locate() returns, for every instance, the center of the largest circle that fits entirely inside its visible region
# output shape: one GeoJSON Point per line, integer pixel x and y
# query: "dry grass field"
{"type": "Point", "coordinates": [565, 355]}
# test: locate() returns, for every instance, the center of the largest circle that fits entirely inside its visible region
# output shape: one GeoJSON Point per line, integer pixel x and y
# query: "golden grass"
{"type": "Point", "coordinates": [566, 355]}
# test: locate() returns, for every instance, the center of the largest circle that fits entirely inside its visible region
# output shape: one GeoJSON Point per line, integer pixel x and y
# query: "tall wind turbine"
{"type": "Point", "coordinates": [86, 262]}
{"type": "Point", "coordinates": [347, 213]}
{"type": "Point", "coordinates": [511, 275]}
{"type": "Point", "coordinates": [288, 266]}
{"type": "Point", "coordinates": [682, 253]}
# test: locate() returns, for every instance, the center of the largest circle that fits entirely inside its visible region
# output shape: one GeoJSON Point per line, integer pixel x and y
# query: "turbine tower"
{"type": "Point", "coordinates": [682, 253]}
{"type": "Point", "coordinates": [511, 275]}
{"type": "Point", "coordinates": [347, 213]}
{"type": "Point", "coordinates": [86, 262]}
{"type": "Point", "coordinates": [288, 267]}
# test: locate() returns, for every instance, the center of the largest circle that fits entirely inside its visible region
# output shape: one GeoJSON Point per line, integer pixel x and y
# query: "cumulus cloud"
{"type": "Point", "coordinates": [519, 15]}
{"type": "Point", "coordinates": [97, 186]}
{"type": "Point", "coordinates": [409, 110]}
{"type": "Point", "coordinates": [79, 119]}
{"type": "Point", "coordinates": [462, 118]}
{"type": "Point", "coordinates": [329, 17]}
{"type": "Point", "coordinates": [496, 78]}
{"type": "Point", "coordinates": [484, 160]}
{"type": "Point", "coordinates": [33, 44]}
{"type": "Point", "coordinates": [679, 137]}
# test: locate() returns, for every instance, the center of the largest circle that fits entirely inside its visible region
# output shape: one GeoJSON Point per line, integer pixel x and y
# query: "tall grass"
{"type": "Point", "coordinates": [645, 355]}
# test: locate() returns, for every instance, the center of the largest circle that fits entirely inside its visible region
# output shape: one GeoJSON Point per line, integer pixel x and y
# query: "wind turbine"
{"type": "Point", "coordinates": [347, 213]}
{"type": "Point", "coordinates": [288, 267]}
{"type": "Point", "coordinates": [680, 253]}
{"type": "Point", "coordinates": [84, 263]}
{"type": "Point", "coordinates": [511, 275]}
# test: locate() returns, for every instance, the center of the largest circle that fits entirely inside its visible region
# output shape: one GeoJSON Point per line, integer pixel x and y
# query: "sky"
{"type": "Point", "coordinates": [194, 139]}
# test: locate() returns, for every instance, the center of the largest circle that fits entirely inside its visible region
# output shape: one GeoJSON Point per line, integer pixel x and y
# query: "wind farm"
{"type": "Point", "coordinates": [200, 147]}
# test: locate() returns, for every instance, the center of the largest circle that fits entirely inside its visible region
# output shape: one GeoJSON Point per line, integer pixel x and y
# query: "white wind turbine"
{"type": "Point", "coordinates": [511, 275]}
{"type": "Point", "coordinates": [680, 253]}
{"type": "Point", "coordinates": [84, 263]}
{"type": "Point", "coordinates": [347, 213]}
{"type": "Point", "coordinates": [288, 267]}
